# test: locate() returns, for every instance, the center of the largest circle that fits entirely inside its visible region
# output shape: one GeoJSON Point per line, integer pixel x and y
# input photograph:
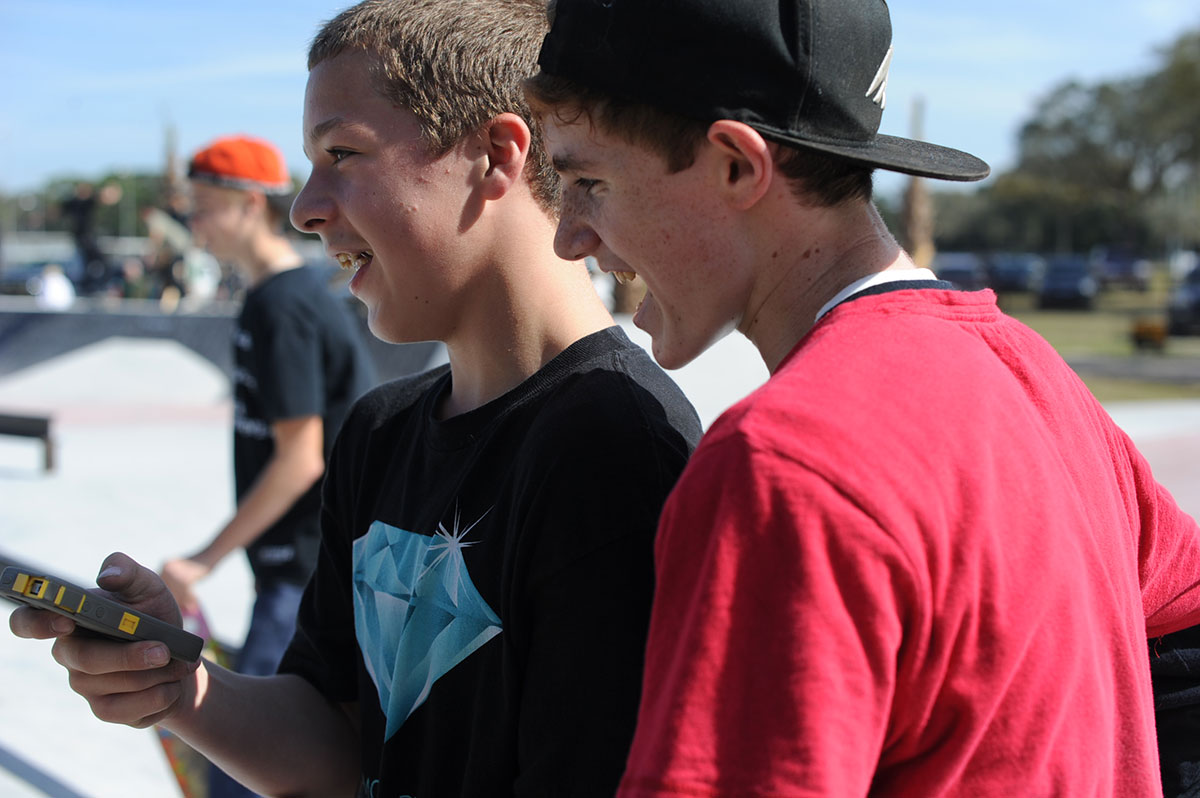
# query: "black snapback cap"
{"type": "Point", "coordinates": [807, 73]}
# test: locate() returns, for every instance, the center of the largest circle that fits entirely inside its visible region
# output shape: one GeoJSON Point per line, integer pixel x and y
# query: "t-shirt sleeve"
{"type": "Point", "coordinates": [1169, 554]}
{"type": "Point", "coordinates": [287, 361]}
{"type": "Point", "coordinates": [775, 635]}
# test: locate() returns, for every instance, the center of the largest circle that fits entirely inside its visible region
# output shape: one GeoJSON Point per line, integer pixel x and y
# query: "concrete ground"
{"type": "Point", "coordinates": [143, 452]}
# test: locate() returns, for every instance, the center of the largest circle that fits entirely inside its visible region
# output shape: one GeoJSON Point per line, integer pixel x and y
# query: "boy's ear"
{"type": "Point", "coordinates": [506, 139]}
{"type": "Point", "coordinates": [256, 200]}
{"type": "Point", "coordinates": [744, 160]}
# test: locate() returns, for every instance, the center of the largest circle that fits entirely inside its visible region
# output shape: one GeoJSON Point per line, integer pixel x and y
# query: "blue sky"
{"type": "Point", "coordinates": [89, 85]}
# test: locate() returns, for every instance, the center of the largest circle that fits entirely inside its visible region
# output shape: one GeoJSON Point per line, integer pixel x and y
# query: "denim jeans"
{"type": "Point", "coordinates": [272, 624]}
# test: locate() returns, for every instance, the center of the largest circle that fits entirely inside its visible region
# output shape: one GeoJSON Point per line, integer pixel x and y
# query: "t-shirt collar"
{"type": "Point", "coordinates": [871, 280]}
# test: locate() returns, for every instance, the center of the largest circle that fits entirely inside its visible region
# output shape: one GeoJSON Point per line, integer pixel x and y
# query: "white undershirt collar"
{"type": "Point", "coordinates": [872, 280]}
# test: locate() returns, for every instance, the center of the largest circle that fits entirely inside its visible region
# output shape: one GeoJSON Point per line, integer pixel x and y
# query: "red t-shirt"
{"type": "Point", "coordinates": [921, 560]}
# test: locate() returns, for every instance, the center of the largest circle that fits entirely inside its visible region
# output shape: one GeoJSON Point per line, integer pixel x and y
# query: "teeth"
{"type": "Point", "coordinates": [625, 278]}
{"type": "Point", "coordinates": [355, 262]}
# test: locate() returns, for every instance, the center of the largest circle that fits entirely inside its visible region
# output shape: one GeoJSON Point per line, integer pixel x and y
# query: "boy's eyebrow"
{"type": "Point", "coordinates": [321, 128]}
{"type": "Point", "coordinates": [567, 162]}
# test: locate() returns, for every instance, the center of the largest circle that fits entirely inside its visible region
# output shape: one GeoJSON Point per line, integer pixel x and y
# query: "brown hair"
{"type": "Point", "coordinates": [454, 63]}
{"type": "Point", "coordinates": [813, 176]}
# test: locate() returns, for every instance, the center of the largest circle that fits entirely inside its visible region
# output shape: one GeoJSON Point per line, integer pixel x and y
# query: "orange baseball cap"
{"type": "Point", "coordinates": [241, 162]}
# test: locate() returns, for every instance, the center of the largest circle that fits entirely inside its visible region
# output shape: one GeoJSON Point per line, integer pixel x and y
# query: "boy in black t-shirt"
{"type": "Point", "coordinates": [477, 619]}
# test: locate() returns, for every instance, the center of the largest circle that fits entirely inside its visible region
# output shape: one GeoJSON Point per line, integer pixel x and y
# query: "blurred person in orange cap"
{"type": "Point", "coordinates": [300, 362]}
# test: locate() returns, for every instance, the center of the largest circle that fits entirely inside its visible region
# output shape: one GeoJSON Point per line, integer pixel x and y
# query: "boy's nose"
{"type": "Point", "coordinates": [306, 214]}
{"type": "Point", "coordinates": [574, 239]}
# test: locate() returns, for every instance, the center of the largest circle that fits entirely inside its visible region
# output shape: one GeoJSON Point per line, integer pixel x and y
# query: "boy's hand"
{"type": "Point", "coordinates": [180, 575]}
{"type": "Point", "coordinates": [137, 684]}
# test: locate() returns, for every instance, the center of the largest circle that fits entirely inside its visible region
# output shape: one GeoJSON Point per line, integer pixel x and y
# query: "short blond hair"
{"type": "Point", "coordinates": [454, 63]}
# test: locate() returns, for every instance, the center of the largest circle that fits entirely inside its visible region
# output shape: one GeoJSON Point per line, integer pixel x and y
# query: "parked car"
{"type": "Point", "coordinates": [1068, 282]}
{"type": "Point", "coordinates": [1122, 269]}
{"type": "Point", "coordinates": [1016, 271]}
{"type": "Point", "coordinates": [964, 269]}
{"type": "Point", "coordinates": [20, 279]}
{"type": "Point", "coordinates": [1183, 308]}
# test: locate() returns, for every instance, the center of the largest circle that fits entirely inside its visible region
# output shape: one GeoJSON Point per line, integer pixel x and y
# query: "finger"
{"type": "Point", "coordinates": [35, 624]}
{"type": "Point", "coordinates": [137, 708]}
{"type": "Point", "coordinates": [125, 682]}
{"type": "Point", "coordinates": [96, 655]}
{"type": "Point", "coordinates": [132, 582]}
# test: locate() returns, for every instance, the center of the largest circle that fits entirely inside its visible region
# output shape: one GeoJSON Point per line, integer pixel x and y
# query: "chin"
{"type": "Point", "coordinates": [383, 333]}
{"type": "Point", "coordinates": [669, 357]}
{"type": "Point", "coordinates": [377, 327]}
{"type": "Point", "coordinates": [673, 353]}
{"type": "Point", "coordinates": [390, 333]}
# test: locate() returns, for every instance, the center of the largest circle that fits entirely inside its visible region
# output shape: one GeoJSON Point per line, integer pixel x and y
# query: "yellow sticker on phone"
{"type": "Point", "coordinates": [129, 623]}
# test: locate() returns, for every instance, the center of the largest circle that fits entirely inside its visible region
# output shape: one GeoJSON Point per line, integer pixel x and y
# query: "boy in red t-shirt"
{"type": "Point", "coordinates": [921, 560]}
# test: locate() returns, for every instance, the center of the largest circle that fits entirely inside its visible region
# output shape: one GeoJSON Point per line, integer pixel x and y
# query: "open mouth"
{"type": "Point", "coordinates": [624, 278]}
{"type": "Point", "coordinates": [354, 262]}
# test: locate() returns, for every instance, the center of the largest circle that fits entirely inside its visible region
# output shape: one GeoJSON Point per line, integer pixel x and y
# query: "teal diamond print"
{"type": "Point", "coordinates": [416, 613]}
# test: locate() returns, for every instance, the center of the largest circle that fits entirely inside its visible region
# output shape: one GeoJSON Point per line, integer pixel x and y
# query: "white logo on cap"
{"type": "Point", "coordinates": [878, 89]}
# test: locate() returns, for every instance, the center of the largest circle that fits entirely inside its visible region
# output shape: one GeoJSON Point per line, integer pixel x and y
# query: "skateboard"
{"type": "Point", "coordinates": [189, 766]}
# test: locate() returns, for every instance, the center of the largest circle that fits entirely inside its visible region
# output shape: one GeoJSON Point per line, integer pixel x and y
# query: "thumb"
{"type": "Point", "coordinates": [122, 576]}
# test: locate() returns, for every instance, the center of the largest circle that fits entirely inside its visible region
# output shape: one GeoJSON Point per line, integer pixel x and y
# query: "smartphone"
{"type": "Point", "coordinates": [96, 613]}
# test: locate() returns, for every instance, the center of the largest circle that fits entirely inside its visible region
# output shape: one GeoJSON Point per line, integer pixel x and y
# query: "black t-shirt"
{"type": "Point", "coordinates": [1175, 675]}
{"type": "Point", "coordinates": [82, 214]}
{"type": "Point", "coordinates": [297, 353]}
{"type": "Point", "coordinates": [497, 570]}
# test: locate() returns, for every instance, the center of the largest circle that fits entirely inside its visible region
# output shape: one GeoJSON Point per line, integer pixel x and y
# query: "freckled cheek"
{"type": "Point", "coordinates": [644, 220]}
{"type": "Point", "coordinates": [379, 217]}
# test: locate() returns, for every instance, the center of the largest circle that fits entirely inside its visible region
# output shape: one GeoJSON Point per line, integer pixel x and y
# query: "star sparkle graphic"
{"type": "Point", "coordinates": [451, 547]}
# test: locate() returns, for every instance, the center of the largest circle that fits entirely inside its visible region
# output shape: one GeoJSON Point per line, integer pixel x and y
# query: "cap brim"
{"type": "Point", "coordinates": [242, 184]}
{"type": "Point", "coordinates": [918, 158]}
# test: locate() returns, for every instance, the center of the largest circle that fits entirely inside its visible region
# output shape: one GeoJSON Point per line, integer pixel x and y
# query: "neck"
{"type": "Point", "coordinates": [527, 308]}
{"type": "Point", "coordinates": [266, 255]}
{"type": "Point", "coordinates": [834, 247]}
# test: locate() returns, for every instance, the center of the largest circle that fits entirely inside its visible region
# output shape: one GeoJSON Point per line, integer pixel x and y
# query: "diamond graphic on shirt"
{"type": "Point", "coordinates": [417, 613]}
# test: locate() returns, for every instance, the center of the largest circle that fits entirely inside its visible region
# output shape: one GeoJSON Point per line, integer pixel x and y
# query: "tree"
{"type": "Point", "coordinates": [1114, 164]}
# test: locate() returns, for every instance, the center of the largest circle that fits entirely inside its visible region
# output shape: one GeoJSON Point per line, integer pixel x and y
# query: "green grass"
{"type": "Point", "coordinates": [1106, 331]}
{"type": "Point", "coordinates": [1113, 389]}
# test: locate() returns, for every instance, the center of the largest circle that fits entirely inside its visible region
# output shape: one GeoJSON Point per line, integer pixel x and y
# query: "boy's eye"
{"type": "Point", "coordinates": [337, 154]}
